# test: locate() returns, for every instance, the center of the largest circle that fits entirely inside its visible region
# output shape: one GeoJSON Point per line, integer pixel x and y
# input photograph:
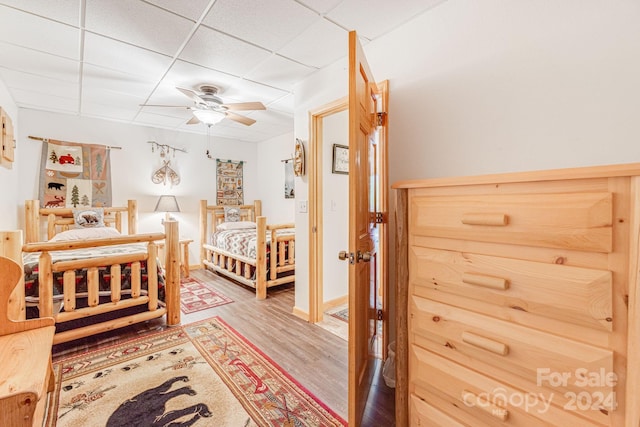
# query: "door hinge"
{"type": "Point", "coordinates": [378, 218]}
{"type": "Point", "coordinates": [380, 314]}
{"type": "Point", "coordinates": [381, 118]}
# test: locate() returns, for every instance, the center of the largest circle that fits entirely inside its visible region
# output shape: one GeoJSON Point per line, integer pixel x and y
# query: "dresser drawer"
{"type": "Point", "coordinates": [569, 294]}
{"type": "Point", "coordinates": [579, 221]}
{"type": "Point", "coordinates": [522, 357]}
{"type": "Point", "coordinates": [490, 401]}
{"type": "Point", "coordinates": [424, 414]}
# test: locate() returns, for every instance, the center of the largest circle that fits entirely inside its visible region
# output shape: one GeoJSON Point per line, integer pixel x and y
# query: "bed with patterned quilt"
{"type": "Point", "coordinates": [92, 278]}
{"type": "Point", "coordinates": [236, 241]}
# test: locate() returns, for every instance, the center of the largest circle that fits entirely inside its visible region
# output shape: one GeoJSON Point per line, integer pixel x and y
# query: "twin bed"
{"type": "Point", "coordinates": [237, 242]}
{"type": "Point", "coordinates": [97, 277]}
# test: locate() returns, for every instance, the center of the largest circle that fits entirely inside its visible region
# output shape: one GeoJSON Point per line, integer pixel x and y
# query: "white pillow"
{"type": "Point", "coordinates": [236, 225]}
{"type": "Point", "coordinates": [85, 233]}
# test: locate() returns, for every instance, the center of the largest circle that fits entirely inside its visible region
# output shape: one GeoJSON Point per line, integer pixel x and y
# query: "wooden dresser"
{"type": "Point", "coordinates": [518, 299]}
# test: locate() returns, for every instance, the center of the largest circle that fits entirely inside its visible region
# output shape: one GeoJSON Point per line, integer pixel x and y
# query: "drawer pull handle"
{"type": "Point", "coordinates": [471, 399]}
{"type": "Point", "coordinates": [486, 281]}
{"type": "Point", "coordinates": [485, 219]}
{"type": "Point", "coordinates": [485, 343]}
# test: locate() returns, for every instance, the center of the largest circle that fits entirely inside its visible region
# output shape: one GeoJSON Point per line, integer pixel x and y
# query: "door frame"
{"type": "Point", "coordinates": [316, 207]}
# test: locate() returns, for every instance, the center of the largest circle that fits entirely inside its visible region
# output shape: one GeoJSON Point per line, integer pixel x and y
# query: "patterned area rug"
{"type": "Point", "coordinates": [202, 374]}
{"type": "Point", "coordinates": [341, 312]}
{"type": "Point", "coordinates": [196, 295]}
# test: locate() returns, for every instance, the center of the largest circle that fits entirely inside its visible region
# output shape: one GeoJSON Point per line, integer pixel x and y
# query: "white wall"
{"type": "Point", "coordinates": [321, 88]}
{"type": "Point", "coordinates": [132, 167]}
{"type": "Point", "coordinates": [270, 175]}
{"type": "Point", "coordinates": [497, 86]}
{"type": "Point", "coordinates": [335, 218]}
{"type": "Point", "coordinates": [9, 174]}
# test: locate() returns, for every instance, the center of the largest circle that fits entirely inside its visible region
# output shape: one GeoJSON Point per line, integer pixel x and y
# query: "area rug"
{"type": "Point", "coordinates": [202, 374]}
{"type": "Point", "coordinates": [341, 313]}
{"type": "Point", "coordinates": [196, 295]}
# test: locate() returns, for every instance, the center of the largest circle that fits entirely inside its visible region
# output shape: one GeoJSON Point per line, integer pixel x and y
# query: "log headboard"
{"type": "Point", "coordinates": [212, 215]}
{"type": "Point", "coordinates": [59, 219]}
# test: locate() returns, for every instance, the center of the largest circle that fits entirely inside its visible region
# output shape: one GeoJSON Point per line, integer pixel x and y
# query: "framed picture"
{"type": "Point", "coordinates": [340, 159]}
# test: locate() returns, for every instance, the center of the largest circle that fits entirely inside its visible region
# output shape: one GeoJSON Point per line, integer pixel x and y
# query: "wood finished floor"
{"type": "Point", "coordinates": [316, 358]}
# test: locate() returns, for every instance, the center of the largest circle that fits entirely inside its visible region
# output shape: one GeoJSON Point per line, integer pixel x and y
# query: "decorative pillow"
{"type": "Point", "coordinates": [231, 214]}
{"type": "Point", "coordinates": [85, 233]}
{"type": "Point", "coordinates": [237, 225]}
{"type": "Point", "coordinates": [89, 217]}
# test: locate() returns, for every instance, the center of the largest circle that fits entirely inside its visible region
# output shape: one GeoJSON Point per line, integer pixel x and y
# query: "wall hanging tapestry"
{"type": "Point", "coordinates": [229, 182]}
{"type": "Point", "coordinates": [74, 175]}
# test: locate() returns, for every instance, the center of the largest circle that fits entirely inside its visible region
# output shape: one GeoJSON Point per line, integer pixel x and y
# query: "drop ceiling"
{"type": "Point", "coordinates": [104, 58]}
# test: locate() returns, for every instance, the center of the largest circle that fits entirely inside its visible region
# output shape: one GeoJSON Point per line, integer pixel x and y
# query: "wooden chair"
{"type": "Point", "coordinates": [26, 373]}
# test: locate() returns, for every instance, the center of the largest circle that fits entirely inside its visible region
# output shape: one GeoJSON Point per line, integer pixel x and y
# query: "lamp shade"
{"type": "Point", "coordinates": [209, 117]}
{"type": "Point", "coordinates": [167, 204]}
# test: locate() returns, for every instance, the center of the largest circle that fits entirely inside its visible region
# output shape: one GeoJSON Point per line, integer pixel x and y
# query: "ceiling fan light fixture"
{"type": "Point", "coordinates": [209, 117]}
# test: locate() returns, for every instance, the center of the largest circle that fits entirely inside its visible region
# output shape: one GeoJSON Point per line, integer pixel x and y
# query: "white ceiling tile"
{"type": "Point", "coordinates": [380, 18]}
{"type": "Point", "coordinates": [66, 11]}
{"type": "Point", "coordinates": [45, 85]}
{"type": "Point", "coordinates": [321, 6]}
{"type": "Point", "coordinates": [159, 119]}
{"type": "Point", "coordinates": [320, 45]}
{"type": "Point", "coordinates": [93, 109]}
{"type": "Point", "coordinates": [279, 72]}
{"type": "Point", "coordinates": [116, 81]}
{"type": "Point", "coordinates": [221, 52]}
{"type": "Point", "coordinates": [38, 63]}
{"type": "Point", "coordinates": [26, 30]}
{"type": "Point", "coordinates": [138, 23]}
{"type": "Point", "coordinates": [245, 90]}
{"type": "Point", "coordinates": [189, 76]}
{"type": "Point", "coordinates": [191, 9]}
{"type": "Point", "coordinates": [109, 53]}
{"type": "Point", "coordinates": [99, 95]}
{"type": "Point", "coordinates": [285, 104]}
{"type": "Point", "coordinates": [269, 24]}
{"type": "Point", "coordinates": [37, 100]}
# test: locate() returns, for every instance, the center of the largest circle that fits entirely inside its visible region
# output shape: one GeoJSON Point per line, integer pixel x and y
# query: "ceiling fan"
{"type": "Point", "coordinates": [210, 109]}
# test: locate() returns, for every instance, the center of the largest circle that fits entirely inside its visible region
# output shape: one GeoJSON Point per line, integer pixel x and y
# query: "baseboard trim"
{"type": "Point", "coordinates": [300, 313]}
{"type": "Point", "coordinates": [327, 305]}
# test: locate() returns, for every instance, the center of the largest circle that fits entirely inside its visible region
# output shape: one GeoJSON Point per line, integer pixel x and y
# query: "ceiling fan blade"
{"type": "Point", "coordinates": [240, 106]}
{"type": "Point", "coordinates": [193, 121]}
{"type": "Point", "coordinates": [191, 94]}
{"type": "Point", "coordinates": [240, 119]}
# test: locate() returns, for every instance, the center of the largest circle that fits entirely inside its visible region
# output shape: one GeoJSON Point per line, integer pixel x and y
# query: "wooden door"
{"type": "Point", "coordinates": [362, 231]}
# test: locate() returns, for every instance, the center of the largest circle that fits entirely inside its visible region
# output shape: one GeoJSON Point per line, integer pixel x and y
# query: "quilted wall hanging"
{"type": "Point", "coordinates": [74, 175]}
{"type": "Point", "coordinates": [229, 182]}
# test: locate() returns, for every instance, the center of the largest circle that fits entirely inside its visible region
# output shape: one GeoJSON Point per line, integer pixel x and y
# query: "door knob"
{"type": "Point", "coordinates": [364, 256]}
{"type": "Point", "coordinates": [343, 255]}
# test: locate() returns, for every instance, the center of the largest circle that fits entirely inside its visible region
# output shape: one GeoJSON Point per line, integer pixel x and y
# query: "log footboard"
{"type": "Point", "coordinates": [153, 307]}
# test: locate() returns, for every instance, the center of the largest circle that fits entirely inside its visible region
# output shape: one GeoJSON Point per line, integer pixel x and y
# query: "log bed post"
{"type": "Point", "coordinates": [32, 220]}
{"type": "Point", "coordinates": [261, 256]}
{"type": "Point", "coordinates": [11, 247]}
{"type": "Point", "coordinates": [203, 231]}
{"type": "Point", "coordinates": [172, 275]}
{"type": "Point", "coordinates": [132, 217]}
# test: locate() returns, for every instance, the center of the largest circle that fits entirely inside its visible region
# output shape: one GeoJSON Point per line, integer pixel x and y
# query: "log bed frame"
{"type": "Point", "coordinates": [59, 219]}
{"type": "Point", "coordinates": [239, 268]}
